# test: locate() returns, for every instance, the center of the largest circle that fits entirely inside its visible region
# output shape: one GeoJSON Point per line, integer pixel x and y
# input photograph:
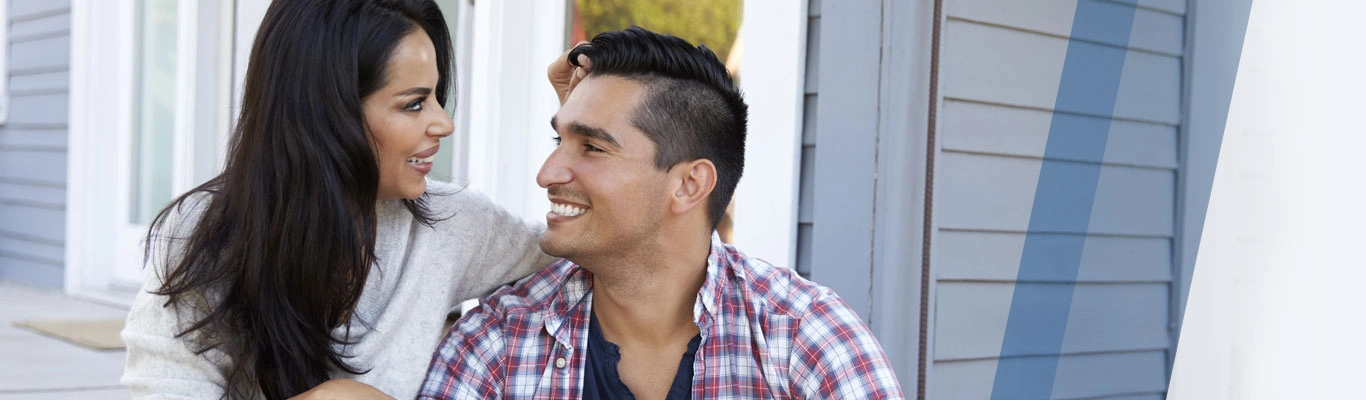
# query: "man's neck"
{"type": "Point", "coordinates": [651, 302]}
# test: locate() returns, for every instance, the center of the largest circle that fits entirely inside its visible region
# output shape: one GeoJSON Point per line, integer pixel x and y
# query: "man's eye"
{"type": "Point", "coordinates": [415, 105]}
{"type": "Point", "coordinates": [589, 147]}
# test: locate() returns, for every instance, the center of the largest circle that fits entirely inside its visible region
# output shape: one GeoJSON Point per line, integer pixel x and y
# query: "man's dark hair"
{"type": "Point", "coordinates": [690, 107]}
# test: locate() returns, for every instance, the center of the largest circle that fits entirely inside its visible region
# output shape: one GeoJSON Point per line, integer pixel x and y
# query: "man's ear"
{"type": "Point", "coordinates": [696, 180]}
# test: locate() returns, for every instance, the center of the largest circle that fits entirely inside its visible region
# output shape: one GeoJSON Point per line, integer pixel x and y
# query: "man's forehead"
{"type": "Point", "coordinates": [599, 101]}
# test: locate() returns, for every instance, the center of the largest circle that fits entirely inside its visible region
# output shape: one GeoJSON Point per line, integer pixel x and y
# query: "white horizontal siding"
{"type": "Point", "coordinates": [38, 109]}
{"type": "Point", "coordinates": [1103, 318]}
{"type": "Point", "coordinates": [995, 256]}
{"type": "Point", "coordinates": [992, 129]}
{"type": "Point", "coordinates": [1111, 374]}
{"type": "Point", "coordinates": [39, 224]}
{"type": "Point", "coordinates": [22, 10]}
{"type": "Point", "coordinates": [45, 54]}
{"type": "Point", "coordinates": [47, 139]}
{"type": "Point", "coordinates": [806, 188]}
{"type": "Point", "coordinates": [43, 252]}
{"type": "Point", "coordinates": [1155, 31]}
{"type": "Point", "coordinates": [991, 193]}
{"type": "Point", "coordinates": [49, 196]}
{"type": "Point", "coordinates": [33, 144]}
{"type": "Point", "coordinates": [1000, 67]}
{"type": "Point", "coordinates": [39, 82]}
{"type": "Point", "coordinates": [1176, 7]}
{"type": "Point", "coordinates": [40, 27]}
{"type": "Point", "coordinates": [33, 167]}
{"type": "Point", "coordinates": [997, 65]}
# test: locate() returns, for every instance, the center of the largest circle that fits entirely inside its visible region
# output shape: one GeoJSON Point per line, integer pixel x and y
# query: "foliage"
{"type": "Point", "coordinates": [715, 23]}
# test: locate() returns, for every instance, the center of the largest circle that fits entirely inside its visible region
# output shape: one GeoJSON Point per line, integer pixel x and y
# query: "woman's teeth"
{"type": "Point", "coordinates": [566, 210]}
{"type": "Point", "coordinates": [415, 160]}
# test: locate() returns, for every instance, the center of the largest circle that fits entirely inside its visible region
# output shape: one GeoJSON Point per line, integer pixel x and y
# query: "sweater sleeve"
{"type": "Point", "coordinates": [161, 365]}
{"type": "Point", "coordinates": [506, 248]}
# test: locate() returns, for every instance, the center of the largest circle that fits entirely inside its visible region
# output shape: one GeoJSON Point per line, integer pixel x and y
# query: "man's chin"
{"type": "Point", "coordinates": [552, 247]}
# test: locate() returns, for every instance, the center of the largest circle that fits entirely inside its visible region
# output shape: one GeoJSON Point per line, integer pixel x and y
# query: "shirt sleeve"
{"type": "Point", "coordinates": [469, 363]}
{"type": "Point", "coordinates": [835, 356]}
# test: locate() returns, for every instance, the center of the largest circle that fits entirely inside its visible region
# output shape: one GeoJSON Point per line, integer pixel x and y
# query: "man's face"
{"type": "Point", "coordinates": [606, 195]}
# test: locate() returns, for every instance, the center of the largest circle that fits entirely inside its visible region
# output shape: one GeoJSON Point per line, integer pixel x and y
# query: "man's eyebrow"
{"type": "Point", "coordinates": [586, 131]}
{"type": "Point", "coordinates": [594, 133]}
{"type": "Point", "coordinates": [424, 91]}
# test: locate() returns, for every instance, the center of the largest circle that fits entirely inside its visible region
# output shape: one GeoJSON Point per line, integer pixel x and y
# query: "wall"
{"type": "Point", "coordinates": [1001, 66]}
{"type": "Point", "coordinates": [33, 144]}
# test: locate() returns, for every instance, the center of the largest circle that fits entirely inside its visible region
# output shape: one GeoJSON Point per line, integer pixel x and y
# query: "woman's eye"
{"type": "Point", "coordinates": [557, 140]}
{"type": "Point", "coordinates": [415, 105]}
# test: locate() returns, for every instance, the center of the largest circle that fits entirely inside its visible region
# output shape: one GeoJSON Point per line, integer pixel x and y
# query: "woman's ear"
{"type": "Point", "coordinates": [697, 179]}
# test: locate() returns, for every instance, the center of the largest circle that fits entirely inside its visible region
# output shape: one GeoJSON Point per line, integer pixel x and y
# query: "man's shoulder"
{"type": "Point", "coordinates": [782, 289]}
{"type": "Point", "coordinates": [530, 295]}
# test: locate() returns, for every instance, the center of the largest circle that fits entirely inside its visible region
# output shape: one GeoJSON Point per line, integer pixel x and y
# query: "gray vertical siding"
{"type": "Point", "coordinates": [806, 185]}
{"type": "Point", "coordinates": [1000, 64]}
{"type": "Point", "coordinates": [1000, 67]}
{"type": "Point", "coordinates": [33, 143]}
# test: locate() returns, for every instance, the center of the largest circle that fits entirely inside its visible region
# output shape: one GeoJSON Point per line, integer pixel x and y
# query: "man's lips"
{"type": "Point", "coordinates": [565, 208]}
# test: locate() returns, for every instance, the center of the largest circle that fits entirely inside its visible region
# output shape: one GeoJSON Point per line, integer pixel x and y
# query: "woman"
{"type": "Point", "coordinates": [321, 261]}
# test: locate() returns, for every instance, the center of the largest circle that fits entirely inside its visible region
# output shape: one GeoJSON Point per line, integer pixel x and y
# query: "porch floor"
{"type": "Point", "coordinates": [34, 366]}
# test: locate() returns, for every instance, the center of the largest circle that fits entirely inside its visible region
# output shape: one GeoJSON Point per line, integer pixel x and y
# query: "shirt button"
{"type": "Point", "coordinates": [559, 362]}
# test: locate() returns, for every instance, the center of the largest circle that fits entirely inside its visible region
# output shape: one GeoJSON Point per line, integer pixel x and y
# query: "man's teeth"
{"type": "Point", "coordinates": [565, 210]}
{"type": "Point", "coordinates": [415, 160]}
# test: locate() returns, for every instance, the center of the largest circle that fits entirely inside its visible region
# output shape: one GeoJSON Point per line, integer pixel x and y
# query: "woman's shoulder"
{"type": "Point", "coordinates": [459, 206]}
{"type": "Point", "coordinates": [447, 200]}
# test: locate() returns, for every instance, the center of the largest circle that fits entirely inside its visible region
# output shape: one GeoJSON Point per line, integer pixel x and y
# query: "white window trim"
{"type": "Point", "coordinates": [511, 101]}
{"type": "Point", "coordinates": [102, 67]}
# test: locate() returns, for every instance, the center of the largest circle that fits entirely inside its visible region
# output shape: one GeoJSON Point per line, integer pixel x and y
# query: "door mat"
{"type": "Point", "coordinates": [94, 335]}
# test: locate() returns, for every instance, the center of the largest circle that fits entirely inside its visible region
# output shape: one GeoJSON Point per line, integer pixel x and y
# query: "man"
{"type": "Point", "coordinates": [647, 304]}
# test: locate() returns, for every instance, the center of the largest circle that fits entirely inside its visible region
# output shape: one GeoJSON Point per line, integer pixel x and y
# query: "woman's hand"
{"type": "Point", "coordinates": [342, 389]}
{"type": "Point", "coordinates": [564, 75]}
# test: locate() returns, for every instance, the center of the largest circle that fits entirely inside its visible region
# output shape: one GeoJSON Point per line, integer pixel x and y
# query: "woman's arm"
{"type": "Point", "coordinates": [505, 247]}
{"type": "Point", "coordinates": [161, 364]}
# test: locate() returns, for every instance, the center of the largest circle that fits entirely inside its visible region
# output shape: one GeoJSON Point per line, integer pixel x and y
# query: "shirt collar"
{"type": "Point", "coordinates": [565, 303]}
{"type": "Point", "coordinates": [721, 266]}
{"type": "Point", "coordinates": [722, 272]}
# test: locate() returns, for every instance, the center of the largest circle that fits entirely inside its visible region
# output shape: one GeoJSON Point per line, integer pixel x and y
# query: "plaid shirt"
{"type": "Point", "coordinates": [766, 334]}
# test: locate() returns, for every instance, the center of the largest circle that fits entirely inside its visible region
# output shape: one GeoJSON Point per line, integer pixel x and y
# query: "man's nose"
{"type": "Point", "coordinates": [553, 171]}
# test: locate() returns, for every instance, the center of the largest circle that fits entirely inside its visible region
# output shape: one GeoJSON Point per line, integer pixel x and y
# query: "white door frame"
{"type": "Point", "coordinates": [104, 251]}
{"type": "Point", "coordinates": [510, 100]}
{"type": "Point", "coordinates": [773, 76]}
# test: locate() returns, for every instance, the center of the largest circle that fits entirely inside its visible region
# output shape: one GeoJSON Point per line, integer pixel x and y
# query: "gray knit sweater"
{"type": "Point", "coordinates": [421, 274]}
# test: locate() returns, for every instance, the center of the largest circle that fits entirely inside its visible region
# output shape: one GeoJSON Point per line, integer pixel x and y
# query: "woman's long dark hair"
{"type": "Point", "coordinates": [286, 238]}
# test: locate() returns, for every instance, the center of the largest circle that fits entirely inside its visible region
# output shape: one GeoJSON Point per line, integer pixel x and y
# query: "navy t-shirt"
{"type": "Point", "coordinates": [602, 382]}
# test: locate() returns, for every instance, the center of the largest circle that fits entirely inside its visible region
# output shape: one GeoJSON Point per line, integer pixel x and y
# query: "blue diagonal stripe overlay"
{"type": "Point", "coordinates": [1063, 200]}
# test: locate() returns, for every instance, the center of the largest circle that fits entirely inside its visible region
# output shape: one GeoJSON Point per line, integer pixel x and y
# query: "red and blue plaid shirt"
{"type": "Point", "coordinates": [766, 334]}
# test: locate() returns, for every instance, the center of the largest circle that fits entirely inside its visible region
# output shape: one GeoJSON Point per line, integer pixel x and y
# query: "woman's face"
{"type": "Point", "coordinates": [405, 119]}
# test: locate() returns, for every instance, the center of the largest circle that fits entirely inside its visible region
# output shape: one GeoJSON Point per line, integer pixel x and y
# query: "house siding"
{"type": "Point", "coordinates": [805, 186]}
{"type": "Point", "coordinates": [33, 144]}
{"type": "Point", "coordinates": [1000, 68]}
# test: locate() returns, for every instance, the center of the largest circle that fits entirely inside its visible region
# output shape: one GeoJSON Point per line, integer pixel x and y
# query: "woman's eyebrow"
{"type": "Point", "coordinates": [424, 91]}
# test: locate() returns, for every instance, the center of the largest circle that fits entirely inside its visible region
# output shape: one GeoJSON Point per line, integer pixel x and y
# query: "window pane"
{"type": "Point", "coordinates": [154, 118]}
{"type": "Point", "coordinates": [714, 23]}
{"type": "Point", "coordinates": [442, 165]}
